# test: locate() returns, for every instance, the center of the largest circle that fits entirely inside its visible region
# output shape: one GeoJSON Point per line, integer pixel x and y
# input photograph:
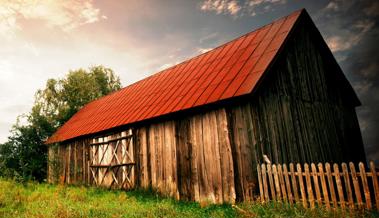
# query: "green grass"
{"type": "Point", "coordinates": [44, 200]}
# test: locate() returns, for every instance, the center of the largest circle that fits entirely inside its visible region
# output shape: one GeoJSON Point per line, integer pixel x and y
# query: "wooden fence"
{"type": "Point", "coordinates": [338, 187]}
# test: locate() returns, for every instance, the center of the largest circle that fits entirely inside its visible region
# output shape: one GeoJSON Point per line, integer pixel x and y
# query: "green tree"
{"type": "Point", "coordinates": [25, 154]}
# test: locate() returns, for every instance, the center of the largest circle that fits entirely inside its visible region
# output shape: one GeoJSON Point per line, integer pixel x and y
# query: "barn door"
{"type": "Point", "coordinates": [112, 162]}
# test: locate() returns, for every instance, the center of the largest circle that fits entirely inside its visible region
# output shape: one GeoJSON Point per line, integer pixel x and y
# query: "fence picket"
{"type": "Point", "coordinates": [294, 184]}
{"type": "Point", "coordinates": [282, 183]}
{"type": "Point", "coordinates": [302, 190]}
{"type": "Point", "coordinates": [356, 185]}
{"type": "Point", "coordinates": [375, 184]}
{"type": "Point", "coordinates": [365, 185]}
{"type": "Point", "coordinates": [309, 186]}
{"type": "Point", "coordinates": [288, 185]}
{"type": "Point", "coordinates": [339, 186]}
{"type": "Point", "coordinates": [260, 182]}
{"type": "Point", "coordinates": [272, 188]}
{"type": "Point", "coordinates": [277, 185]}
{"type": "Point", "coordinates": [323, 185]}
{"type": "Point", "coordinates": [347, 185]}
{"type": "Point", "coordinates": [264, 180]}
{"type": "Point", "coordinates": [315, 182]}
{"type": "Point", "coordinates": [331, 185]}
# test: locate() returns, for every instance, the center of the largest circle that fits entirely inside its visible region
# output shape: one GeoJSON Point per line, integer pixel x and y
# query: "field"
{"type": "Point", "coordinates": [43, 200]}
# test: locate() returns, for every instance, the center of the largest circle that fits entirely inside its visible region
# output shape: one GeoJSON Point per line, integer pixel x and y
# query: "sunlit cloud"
{"type": "Point", "coordinates": [66, 15]}
{"type": "Point", "coordinates": [203, 50]}
{"type": "Point", "coordinates": [237, 8]}
{"type": "Point", "coordinates": [352, 38]}
{"type": "Point", "coordinates": [221, 6]}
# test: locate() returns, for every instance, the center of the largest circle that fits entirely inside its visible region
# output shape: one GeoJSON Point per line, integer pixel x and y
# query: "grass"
{"type": "Point", "coordinates": [43, 200]}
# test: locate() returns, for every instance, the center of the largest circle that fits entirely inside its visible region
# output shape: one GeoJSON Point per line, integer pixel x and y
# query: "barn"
{"type": "Point", "coordinates": [197, 130]}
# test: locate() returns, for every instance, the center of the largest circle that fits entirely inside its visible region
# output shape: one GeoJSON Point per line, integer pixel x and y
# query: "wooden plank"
{"type": "Point", "coordinates": [294, 183]}
{"type": "Point", "coordinates": [331, 185]}
{"type": "Point", "coordinates": [339, 186]}
{"type": "Point", "coordinates": [349, 193]}
{"type": "Point", "coordinates": [277, 185]}
{"type": "Point", "coordinates": [282, 183]}
{"type": "Point", "coordinates": [194, 158]}
{"type": "Point", "coordinates": [271, 182]}
{"type": "Point", "coordinates": [365, 185]}
{"type": "Point", "coordinates": [316, 184]}
{"type": "Point", "coordinates": [226, 161]}
{"type": "Point", "coordinates": [375, 184]}
{"type": "Point", "coordinates": [356, 185]}
{"type": "Point", "coordinates": [323, 185]}
{"type": "Point", "coordinates": [153, 156]}
{"type": "Point", "coordinates": [301, 183]}
{"type": "Point", "coordinates": [288, 184]}
{"type": "Point", "coordinates": [309, 186]}
{"type": "Point", "coordinates": [259, 174]}
{"type": "Point", "coordinates": [265, 185]}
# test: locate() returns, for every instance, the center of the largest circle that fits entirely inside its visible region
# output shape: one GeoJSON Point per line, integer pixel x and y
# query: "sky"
{"type": "Point", "coordinates": [42, 39]}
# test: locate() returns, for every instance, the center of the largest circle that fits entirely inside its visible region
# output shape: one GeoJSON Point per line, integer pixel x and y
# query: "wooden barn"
{"type": "Point", "coordinates": [197, 130]}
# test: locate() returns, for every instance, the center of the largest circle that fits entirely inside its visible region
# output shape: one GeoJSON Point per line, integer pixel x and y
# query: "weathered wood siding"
{"type": "Point", "coordinates": [189, 158]}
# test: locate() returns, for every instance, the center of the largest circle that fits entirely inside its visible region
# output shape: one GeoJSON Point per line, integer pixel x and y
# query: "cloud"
{"type": "Point", "coordinates": [203, 50]}
{"type": "Point", "coordinates": [236, 8]}
{"type": "Point", "coordinates": [231, 7]}
{"type": "Point", "coordinates": [66, 15]}
{"type": "Point", "coordinates": [352, 37]}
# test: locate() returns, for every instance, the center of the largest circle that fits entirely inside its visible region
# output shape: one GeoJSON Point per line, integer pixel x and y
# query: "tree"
{"type": "Point", "coordinates": [24, 155]}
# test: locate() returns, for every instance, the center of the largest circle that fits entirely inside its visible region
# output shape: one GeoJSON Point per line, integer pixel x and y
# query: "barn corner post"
{"type": "Point", "coordinates": [54, 163]}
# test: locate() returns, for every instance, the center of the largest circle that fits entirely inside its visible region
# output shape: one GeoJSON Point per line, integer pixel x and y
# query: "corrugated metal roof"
{"type": "Point", "coordinates": [227, 71]}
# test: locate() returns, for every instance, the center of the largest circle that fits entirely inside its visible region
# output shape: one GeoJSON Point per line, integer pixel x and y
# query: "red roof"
{"type": "Point", "coordinates": [227, 71]}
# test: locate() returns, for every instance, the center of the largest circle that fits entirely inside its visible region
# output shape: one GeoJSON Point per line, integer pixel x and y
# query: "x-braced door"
{"type": "Point", "coordinates": [112, 162]}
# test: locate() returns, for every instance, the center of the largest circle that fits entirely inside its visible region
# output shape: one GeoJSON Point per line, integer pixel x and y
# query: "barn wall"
{"type": "Point", "coordinates": [189, 158]}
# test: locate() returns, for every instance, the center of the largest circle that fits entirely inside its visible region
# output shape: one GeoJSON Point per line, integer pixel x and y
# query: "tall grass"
{"type": "Point", "coordinates": [43, 200]}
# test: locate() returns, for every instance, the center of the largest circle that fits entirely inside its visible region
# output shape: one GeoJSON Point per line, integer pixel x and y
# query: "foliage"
{"type": "Point", "coordinates": [43, 200]}
{"type": "Point", "coordinates": [62, 98]}
{"type": "Point", "coordinates": [24, 155]}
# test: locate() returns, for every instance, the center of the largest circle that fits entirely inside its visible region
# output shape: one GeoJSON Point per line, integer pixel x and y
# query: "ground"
{"type": "Point", "coordinates": [44, 200]}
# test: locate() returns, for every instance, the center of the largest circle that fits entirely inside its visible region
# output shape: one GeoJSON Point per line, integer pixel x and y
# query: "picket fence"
{"type": "Point", "coordinates": [338, 187]}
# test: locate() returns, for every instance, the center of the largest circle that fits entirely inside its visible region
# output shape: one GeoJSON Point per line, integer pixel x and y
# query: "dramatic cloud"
{"type": "Point", "coordinates": [234, 7]}
{"type": "Point", "coordinates": [66, 15]}
{"type": "Point", "coordinates": [221, 6]}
